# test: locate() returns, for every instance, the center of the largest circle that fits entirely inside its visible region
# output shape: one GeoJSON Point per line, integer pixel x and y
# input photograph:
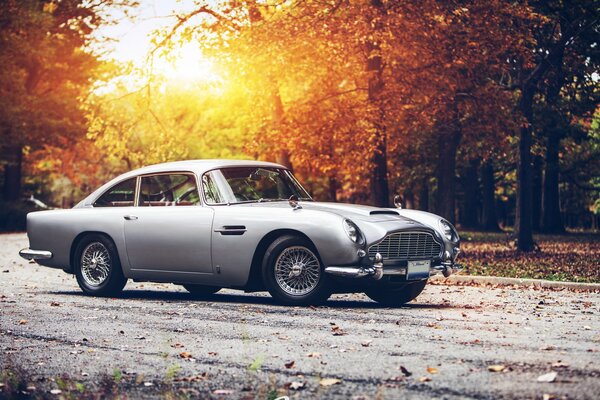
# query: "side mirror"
{"type": "Point", "coordinates": [398, 201]}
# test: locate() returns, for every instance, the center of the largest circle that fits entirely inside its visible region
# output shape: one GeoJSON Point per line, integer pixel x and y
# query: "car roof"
{"type": "Point", "coordinates": [200, 166]}
{"type": "Point", "coordinates": [197, 166]}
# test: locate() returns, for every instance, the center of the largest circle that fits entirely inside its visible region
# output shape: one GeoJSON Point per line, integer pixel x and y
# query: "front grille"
{"type": "Point", "coordinates": [407, 246]}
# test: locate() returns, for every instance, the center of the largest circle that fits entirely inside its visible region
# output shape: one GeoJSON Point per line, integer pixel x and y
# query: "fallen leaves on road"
{"type": "Point", "coordinates": [177, 346]}
{"type": "Point", "coordinates": [185, 355]}
{"type": "Point", "coordinates": [290, 364]}
{"type": "Point", "coordinates": [337, 331]}
{"type": "Point", "coordinates": [424, 379]}
{"type": "Point", "coordinates": [366, 343]}
{"type": "Point", "coordinates": [329, 382]}
{"type": "Point", "coordinates": [23, 322]}
{"type": "Point", "coordinates": [560, 364]}
{"type": "Point", "coordinates": [54, 304]}
{"type": "Point", "coordinates": [405, 371]}
{"type": "Point", "coordinates": [223, 391]}
{"type": "Point", "coordinates": [295, 385]}
{"type": "Point", "coordinates": [432, 370]}
{"type": "Point", "coordinates": [314, 355]}
{"type": "Point", "coordinates": [547, 378]}
{"type": "Point", "coordinates": [203, 376]}
{"type": "Point", "coordinates": [496, 368]}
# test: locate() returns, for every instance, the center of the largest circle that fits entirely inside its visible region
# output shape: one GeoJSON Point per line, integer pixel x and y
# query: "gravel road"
{"type": "Point", "coordinates": [157, 340]}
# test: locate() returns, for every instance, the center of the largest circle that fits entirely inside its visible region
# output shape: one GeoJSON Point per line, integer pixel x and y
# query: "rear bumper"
{"type": "Point", "coordinates": [30, 254]}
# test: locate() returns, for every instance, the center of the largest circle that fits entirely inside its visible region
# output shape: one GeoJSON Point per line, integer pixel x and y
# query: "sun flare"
{"type": "Point", "coordinates": [186, 64]}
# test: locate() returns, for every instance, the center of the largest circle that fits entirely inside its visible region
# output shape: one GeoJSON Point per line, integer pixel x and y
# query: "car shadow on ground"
{"type": "Point", "coordinates": [253, 299]}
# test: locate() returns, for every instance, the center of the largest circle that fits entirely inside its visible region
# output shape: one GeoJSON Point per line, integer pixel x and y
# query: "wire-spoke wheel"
{"type": "Point", "coordinates": [293, 272]}
{"type": "Point", "coordinates": [297, 270]}
{"type": "Point", "coordinates": [97, 266]}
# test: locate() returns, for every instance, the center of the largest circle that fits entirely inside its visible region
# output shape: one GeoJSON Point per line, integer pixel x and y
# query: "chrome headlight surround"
{"type": "Point", "coordinates": [352, 231]}
{"type": "Point", "coordinates": [449, 231]}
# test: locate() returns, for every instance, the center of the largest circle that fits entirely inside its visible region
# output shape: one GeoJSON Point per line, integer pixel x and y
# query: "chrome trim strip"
{"type": "Point", "coordinates": [29, 254]}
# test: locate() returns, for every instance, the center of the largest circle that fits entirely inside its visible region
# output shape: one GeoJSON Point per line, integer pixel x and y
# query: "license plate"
{"type": "Point", "coordinates": [418, 270]}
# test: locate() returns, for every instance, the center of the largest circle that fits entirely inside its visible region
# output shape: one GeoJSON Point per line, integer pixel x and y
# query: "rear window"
{"type": "Point", "coordinates": [120, 195]}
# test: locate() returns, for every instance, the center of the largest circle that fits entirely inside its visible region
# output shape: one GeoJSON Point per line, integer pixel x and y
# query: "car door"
{"type": "Point", "coordinates": [170, 230]}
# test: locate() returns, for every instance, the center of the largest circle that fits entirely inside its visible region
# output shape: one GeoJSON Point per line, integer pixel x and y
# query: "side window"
{"type": "Point", "coordinates": [120, 195]}
{"type": "Point", "coordinates": [211, 192]}
{"type": "Point", "coordinates": [169, 190]}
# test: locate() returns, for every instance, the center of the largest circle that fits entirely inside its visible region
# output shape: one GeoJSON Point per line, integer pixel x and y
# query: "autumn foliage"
{"type": "Point", "coordinates": [437, 101]}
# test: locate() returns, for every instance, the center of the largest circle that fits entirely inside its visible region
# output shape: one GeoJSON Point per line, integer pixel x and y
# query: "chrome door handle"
{"type": "Point", "coordinates": [130, 217]}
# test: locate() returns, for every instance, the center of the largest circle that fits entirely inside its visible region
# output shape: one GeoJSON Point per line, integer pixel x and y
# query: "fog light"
{"type": "Point", "coordinates": [361, 253]}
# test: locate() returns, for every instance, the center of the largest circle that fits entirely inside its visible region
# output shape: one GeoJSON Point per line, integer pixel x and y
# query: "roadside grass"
{"type": "Point", "coordinates": [16, 383]}
{"type": "Point", "coordinates": [571, 257]}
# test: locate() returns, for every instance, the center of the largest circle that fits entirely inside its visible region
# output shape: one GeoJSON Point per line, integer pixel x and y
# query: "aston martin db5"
{"type": "Point", "coordinates": [249, 225]}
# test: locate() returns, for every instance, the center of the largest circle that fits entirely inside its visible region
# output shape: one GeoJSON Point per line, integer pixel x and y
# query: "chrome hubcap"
{"type": "Point", "coordinates": [297, 270]}
{"type": "Point", "coordinates": [95, 264]}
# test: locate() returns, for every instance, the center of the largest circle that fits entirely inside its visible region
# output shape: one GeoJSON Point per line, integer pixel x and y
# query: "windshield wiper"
{"type": "Point", "coordinates": [261, 200]}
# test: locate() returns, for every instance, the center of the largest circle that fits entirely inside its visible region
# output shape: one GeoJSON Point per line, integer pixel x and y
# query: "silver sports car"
{"type": "Point", "coordinates": [212, 224]}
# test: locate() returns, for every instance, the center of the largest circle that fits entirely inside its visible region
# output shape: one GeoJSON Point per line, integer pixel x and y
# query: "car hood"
{"type": "Point", "coordinates": [351, 211]}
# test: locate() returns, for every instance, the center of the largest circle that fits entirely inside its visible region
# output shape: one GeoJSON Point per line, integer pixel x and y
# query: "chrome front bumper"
{"type": "Point", "coordinates": [377, 271]}
{"type": "Point", "coordinates": [30, 254]}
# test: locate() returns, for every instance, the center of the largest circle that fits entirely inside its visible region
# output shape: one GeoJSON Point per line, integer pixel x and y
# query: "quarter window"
{"type": "Point", "coordinates": [168, 190]}
{"type": "Point", "coordinates": [211, 192]}
{"type": "Point", "coordinates": [120, 195]}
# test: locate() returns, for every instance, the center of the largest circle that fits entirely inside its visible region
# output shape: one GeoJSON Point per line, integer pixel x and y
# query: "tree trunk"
{"type": "Point", "coordinates": [333, 186]}
{"type": "Point", "coordinates": [12, 174]}
{"type": "Point", "coordinates": [472, 194]}
{"type": "Point", "coordinates": [489, 221]}
{"type": "Point", "coordinates": [424, 195]}
{"type": "Point", "coordinates": [409, 199]}
{"type": "Point", "coordinates": [379, 181]}
{"type": "Point", "coordinates": [551, 219]}
{"type": "Point", "coordinates": [536, 193]}
{"type": "Point", "coordinates": [445, 200]}
{"type": "Point", "coordinates": [523, 220]}
{"type": "Point", "coordinates": [283, 156]}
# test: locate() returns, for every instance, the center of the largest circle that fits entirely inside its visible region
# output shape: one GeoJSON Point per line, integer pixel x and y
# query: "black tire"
{"type": "Point", "coordinates": [112, 279]}
{"type": "Point", "coordinates": [397, 296]}
{"type": "Point", "coordinates": [201, 290]}
{"type": "Point", "coordinates": [309, 287]}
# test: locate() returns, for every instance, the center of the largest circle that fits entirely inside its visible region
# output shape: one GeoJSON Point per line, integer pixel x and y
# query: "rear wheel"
{"type": "Point", "coordinates": [201, 290]}
{"type": "Point", "coordinates": [397, 296]}
{"type": "Point", "coordinates": [97, 266]}
{"type": "Point", "coordinates": [293, 272]}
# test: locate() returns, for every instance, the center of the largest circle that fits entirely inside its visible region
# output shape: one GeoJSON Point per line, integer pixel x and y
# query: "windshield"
{"type": "Point", "coordinates": [250, 184]}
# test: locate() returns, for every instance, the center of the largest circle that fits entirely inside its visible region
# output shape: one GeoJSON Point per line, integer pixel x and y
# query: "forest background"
{"type": "Point", "coordinates": [485, 112]}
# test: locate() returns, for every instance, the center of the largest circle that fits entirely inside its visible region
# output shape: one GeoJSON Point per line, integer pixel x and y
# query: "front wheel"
{"type": "Point", "coordinates": [293, 272]}
{"type": "Point", "coordinates": [97, 266]}
{"type": "Point", "coordinates": [397, 296]}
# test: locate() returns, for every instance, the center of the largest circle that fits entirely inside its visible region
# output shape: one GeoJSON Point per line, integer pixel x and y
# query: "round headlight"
{"type": "Point", "coordinates": [449, 231]}
{"type": "Point", "coordinates": [351, 229]}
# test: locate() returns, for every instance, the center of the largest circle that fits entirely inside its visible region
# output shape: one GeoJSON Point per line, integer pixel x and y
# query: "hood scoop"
{"type": "Point", "coordinates": [383, 212]}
